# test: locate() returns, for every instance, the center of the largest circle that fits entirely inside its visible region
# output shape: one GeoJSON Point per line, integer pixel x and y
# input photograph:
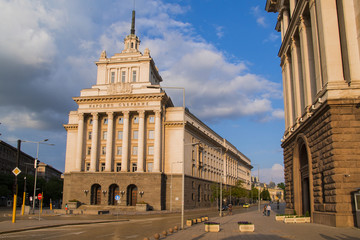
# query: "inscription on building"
{"type": "Point", "coordinates": [126, 104]}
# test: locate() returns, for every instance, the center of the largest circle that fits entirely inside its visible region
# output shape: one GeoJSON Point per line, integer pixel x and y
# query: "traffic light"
{"type": "Point", "coordinates": [36, 163]}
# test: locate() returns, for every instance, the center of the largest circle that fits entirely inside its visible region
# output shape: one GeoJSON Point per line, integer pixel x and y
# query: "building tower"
{"type": "Point", "coordinates": [320, 62]}
{"type": "Point", "coordinates": [127, 143]}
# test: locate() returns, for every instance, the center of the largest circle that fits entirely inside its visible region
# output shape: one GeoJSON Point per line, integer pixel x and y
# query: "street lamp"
{"type": "Point", "coordinates": [36, 165]}
{"type": "Point", "coordinates": [183, 167]}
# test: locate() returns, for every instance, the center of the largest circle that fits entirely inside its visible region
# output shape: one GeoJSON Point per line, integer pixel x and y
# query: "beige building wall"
{"type": "Point", "coordinates": [320, 63]}
{"type": "Point", "coordinates": [126, 138]}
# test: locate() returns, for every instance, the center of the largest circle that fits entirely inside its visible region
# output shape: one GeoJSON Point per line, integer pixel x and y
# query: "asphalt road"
{"type": "Point", "coordinates": [128, 227]}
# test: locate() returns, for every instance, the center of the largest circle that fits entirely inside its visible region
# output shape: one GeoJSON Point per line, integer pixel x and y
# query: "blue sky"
{"type": "Point", "coordinates": [223, 52]}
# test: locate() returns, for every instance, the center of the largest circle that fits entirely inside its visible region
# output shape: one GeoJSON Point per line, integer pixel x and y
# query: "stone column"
{"type": "Point", "coordinates": [307, 59]}
{"type": "Point", "coordinates": [297, 77]}
{"type": "Point", "coordinates": [157, 143]}
{"type": "Point", "coordinates": [80, 142]}
{"type": "Point", "coordinates": [315, 41]}
{"type": "Point", "coordinates": [329, 41]}
{"type": "Point", "coordinates": [141, 141]}
{"type": "Point", "coordinates": [94, 142]}
{"type": "Point", "coordinates": [351, 51]}
{"type": "Point", "coordinates": [289, 92]}
{"type": "Point", "coordinates": [109, 142]}
{"type": "Point", "coordinates": [292, 6]}
{"type": "Point", "coordinates": [125, 143]}
{"type": "Point", "coordinates": [284, 22]}
{"type": "Point", "coordinates": [286, 104]}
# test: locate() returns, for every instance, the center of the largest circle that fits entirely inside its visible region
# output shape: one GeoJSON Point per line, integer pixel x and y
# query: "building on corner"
{"type": "Point", "coordinates": [127, 143]}
{"type": "Point", "coordinates": [320, 63]}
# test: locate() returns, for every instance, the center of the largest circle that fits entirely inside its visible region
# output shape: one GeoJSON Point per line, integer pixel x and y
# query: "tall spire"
{"type": "Point", "coordinates": [132, 31]}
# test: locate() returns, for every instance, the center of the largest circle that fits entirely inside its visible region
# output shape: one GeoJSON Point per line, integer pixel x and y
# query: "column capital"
{"type": "Point", "coordinates": [81, 115]}
{"type": "Point", "coordinates": [304, 23]}
{"type": "Point", "coordinates": [95, 115]}
{"type": "Point", "coordinates": [110, 114]}
{"type": "Point", "coordinates": [126, 113]}
{"type": "Point", "coordinates": [141, 113]}
{"type": "Point", "coordinates": [157, 113]}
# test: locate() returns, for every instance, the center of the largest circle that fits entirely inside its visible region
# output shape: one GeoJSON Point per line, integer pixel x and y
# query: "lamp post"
{"type": "Point", "coordinates": [183, 167]}
{"type": "Point", "coordinates": [36, 165]}
{"type": "Point", "coordinates": [259, 186]}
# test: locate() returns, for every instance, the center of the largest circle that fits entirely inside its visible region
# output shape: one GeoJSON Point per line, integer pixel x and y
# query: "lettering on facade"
{"type": "Point", "coordinates": [125, 104]}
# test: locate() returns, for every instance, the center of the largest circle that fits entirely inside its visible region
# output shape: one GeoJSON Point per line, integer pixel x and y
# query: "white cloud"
{"type": "Point", "coordinates": [259, 15]}
{"type": "Point", "coordinates": [274, 174]}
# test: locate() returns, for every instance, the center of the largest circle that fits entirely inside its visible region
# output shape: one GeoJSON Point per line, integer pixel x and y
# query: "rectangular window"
{"type": "Point", "coordinates": [121, 120]}
{"type": "Point", "coordinates": [151, 134]}
{"type": "Point", "coordinates": [105, 135]}
{"type": "Point", "coordinates": [118, 167]}
{"type": "Point", "coordinates": [134, 150]}
{"type": "Point", "coordinates": [151, 150]}
{"type": "Point", "coordinates": [89, 136]}
{"type": "Point", "coordinates": [151, 119]}
{"type": "Point", "coordinates": [134, 167]}
{"type": "Point", "coordinates": [87, 167]}
{"type": "Point", "coordinates": [135, 134]}
{"type": "Point", "coordinates": [136, 119]}
{"type": "Point", "coordinates": [103, 150]}
{"type": "Point", "coordinates": [119, 151]}
{"type": "Point", "coordinates": [120, 135]}
{"type": "Point", "coordinates": [123, 76]}
{"type": "Point", "coordinates": [88, 150]}
{"type": "Point", "coordinates": [112, 77]}
{"type": "Point", "coordinates": [102, 167]}
{"type": "Point", "coordinates": [134, 76]}
{"type": "Point", "coordinates": [150, 167]}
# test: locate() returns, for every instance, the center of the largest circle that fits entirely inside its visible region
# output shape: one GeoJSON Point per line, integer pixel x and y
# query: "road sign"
{"type": "Point", "coordinates": [39, 196]}
{"type": "Point", "coordinates": [117, 197]}
{"type": "Point", "coordinates": [16, 171]}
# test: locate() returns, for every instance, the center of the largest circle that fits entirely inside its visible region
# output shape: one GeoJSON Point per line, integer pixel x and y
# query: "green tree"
{"type": "Point", "coordinates": [215, 192]}
{"type": "Point", "coordinates": [282, 186]}
{"type": "Point", "coordinates": [254, 193]}
{"type": "Point", "coordinates": [265, 195]}
{"type": "Point", "coordinates": [238, 190]}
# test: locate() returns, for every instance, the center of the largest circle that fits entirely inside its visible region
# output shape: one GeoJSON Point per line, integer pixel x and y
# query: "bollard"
{"type": "Point", "coordinates": [156, 236]}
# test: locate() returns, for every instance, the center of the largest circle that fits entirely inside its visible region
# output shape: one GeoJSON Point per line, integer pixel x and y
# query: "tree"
{"type": "Point", "coordinates": [254, 193]}
{"type": "Point", "coordinates": [265, 195]}
{"type": "Point", "coordinates": [282, 186]}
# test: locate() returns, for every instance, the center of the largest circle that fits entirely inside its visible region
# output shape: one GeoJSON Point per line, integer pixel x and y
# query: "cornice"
{"type": "Point", "coordinates": [119, 98]}
{"type": "Point", "coordinates": [173, 124]}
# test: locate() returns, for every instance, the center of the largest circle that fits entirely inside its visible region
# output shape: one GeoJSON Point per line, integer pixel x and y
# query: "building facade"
{"type": "Point", "coordinates": [127, 140]}
{"type": "Point", "coordinates": [320, 63]}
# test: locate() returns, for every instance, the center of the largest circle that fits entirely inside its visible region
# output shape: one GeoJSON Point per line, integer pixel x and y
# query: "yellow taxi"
{"type": "Point", "coordinates": [246, 205]}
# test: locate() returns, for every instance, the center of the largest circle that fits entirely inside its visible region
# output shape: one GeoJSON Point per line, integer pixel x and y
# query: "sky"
{"type": "Point", "coordinates": [224, 53]}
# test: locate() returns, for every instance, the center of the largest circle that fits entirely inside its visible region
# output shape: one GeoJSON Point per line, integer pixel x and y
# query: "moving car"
{"type": "Point", "coordinates": [246, 205]}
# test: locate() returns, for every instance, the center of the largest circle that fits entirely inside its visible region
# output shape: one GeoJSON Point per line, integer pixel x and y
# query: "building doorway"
{"type": "Point", "coordinates": [304, 175]}
{"type": "Point", "coordinates": [132, 195]}
{"type": "Point", "coordinates": [302, 178]}
{"type": "Point", "coordinates": [113, 191]}
{"type": "Point", "coordinates": [95, 194]}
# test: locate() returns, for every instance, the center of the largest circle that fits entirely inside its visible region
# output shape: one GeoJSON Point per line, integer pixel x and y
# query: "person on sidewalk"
{"type": "Point", "coordinates": [268, 209]}
{"type": "Point", "coordinates": [264, 210]}
{"type": "Point", "coordinates": [230, 209]}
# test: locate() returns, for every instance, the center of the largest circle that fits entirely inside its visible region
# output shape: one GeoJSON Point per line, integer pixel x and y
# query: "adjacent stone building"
{"type": "Point", "coordinates": [127, 143]}
{"type": "Point", "coordinates": [320, 63]}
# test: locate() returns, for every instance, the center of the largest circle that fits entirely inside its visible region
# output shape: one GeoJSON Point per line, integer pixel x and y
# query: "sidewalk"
{"type": "Point", "coordinates": [265, 228]}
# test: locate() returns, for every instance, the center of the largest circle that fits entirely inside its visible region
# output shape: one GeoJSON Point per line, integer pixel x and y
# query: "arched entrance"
{"type": "Point", "coordinates": [131, 195]}
{"type": "Point", "coordinates": [113, 191]}
{"type": "Point", "coordinates": [302, 178]}
{"type": "Point", "coordinates": [95, 194]}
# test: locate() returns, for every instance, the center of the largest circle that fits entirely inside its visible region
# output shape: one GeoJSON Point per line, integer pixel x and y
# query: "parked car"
{"type": "Point", "coordinates": [246, 205]}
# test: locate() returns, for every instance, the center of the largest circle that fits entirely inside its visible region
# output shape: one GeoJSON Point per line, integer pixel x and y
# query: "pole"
{"type": "Point", "coordinates": [183, 168]}
{"type": "Point", "coordinates": [37, 155]}
{"type": "Point", "coordinates": [259, 189]}
{"type": "Point", "coordinates": [16, 184]}
{"type": "Point", "coordinates": [24, 195]}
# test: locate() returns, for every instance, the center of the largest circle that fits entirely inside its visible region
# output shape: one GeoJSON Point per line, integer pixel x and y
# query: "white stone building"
{"type": "Point", "coordinates": [127, 139]}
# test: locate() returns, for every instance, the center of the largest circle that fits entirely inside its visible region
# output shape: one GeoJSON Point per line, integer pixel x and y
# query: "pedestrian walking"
{"type": "Point", "coordinates": [264, 210]}
{"type": "Point", "coordinates": [268, 209]}
{"type": "Point", "coordinates": [230, 209]}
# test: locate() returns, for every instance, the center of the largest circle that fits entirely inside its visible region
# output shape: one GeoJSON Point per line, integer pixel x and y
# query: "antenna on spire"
{"type": "Point", "coordinates": [132, 31]}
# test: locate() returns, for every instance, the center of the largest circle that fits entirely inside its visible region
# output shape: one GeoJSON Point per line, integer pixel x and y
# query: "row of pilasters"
{"type": "Point", "coordinates": [317, 56]}
{"type": "Point", "coordinates": [125, 157]}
